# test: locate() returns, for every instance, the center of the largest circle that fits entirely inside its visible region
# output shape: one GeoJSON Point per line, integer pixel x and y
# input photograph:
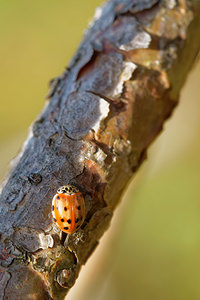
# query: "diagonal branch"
{"type": "Point", "coordinates": [103, 113]}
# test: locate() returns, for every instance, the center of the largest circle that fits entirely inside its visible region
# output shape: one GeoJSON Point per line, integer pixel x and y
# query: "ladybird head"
{"type": "Point", "coordinates": [67, 189]}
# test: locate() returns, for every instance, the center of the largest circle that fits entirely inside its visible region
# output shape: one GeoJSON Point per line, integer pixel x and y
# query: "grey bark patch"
{"type": "Point", "coordinates": [4, 278]}
{"type": "Point", "coordinates": [80, 114]}
{"type": "Point", "coordinates": [31, 240]}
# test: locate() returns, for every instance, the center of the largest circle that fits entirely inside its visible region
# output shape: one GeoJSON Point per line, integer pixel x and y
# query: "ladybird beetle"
{"type": "Point", "coordinates": [68, 208]}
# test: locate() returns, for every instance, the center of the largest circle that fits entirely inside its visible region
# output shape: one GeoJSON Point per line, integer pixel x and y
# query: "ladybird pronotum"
{"type": "Point", "coordinates": [68, 208]}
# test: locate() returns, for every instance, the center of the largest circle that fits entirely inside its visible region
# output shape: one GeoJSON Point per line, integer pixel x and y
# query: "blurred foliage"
{"type": "Point", "coordinates": [151, 251]}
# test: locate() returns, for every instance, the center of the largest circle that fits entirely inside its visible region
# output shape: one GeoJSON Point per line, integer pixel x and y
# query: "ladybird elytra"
{"type": "Point", "coordinates": [68, 208]}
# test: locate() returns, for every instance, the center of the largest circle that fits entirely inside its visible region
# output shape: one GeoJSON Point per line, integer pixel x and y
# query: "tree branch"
{"type": "Point", "coordinates": [103, 113]}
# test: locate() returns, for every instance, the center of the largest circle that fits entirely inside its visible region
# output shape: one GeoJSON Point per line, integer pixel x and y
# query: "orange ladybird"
{"type": "Point", "coordinates": [68, 208]}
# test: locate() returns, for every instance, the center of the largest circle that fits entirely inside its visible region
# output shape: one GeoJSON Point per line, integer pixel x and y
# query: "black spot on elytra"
{"type": "Point", "coordinates": [58, 197]}
{"type": "Point", "coordinates": [69, 221]}
{"type": "Point", "coordinates": [76, 221]}
{"type": "Point", "coordinates": [52, 207]}
{"type": "Point", "coordinates": [55, 220]}
{"type": "Point", "coordinates": [62, 220]}
{"type": "Point", "coordinates": [66, 228]}
{"type": "Point", "coordinates": [78, 207]}
{"type": "Point", "coordinates": [65, 208]}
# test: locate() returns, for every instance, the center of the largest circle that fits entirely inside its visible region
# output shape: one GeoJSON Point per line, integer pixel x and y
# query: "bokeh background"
{"type": "Point", "coordinates": [152, 249]}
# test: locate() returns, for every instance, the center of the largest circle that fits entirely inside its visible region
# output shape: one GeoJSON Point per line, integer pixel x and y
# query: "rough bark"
{"type": "Point", "coordinates": [102, 114]}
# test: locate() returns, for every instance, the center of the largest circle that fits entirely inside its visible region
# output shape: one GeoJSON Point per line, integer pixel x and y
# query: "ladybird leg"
{"type": "Point", "coordinates": [60, 235]}
{"type": "Point", "coordinates": [67, 245]}
{"type": "Point", "coordinates": [63, 237]}
{"type": "Point", "coordinates": [66, 241]}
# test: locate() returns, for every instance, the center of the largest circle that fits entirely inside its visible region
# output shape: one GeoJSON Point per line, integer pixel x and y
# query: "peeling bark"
{"type": "Point", "coordinates": [102, 114]}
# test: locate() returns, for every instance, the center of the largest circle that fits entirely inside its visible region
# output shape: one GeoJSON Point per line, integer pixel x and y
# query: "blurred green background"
{"type": "Point", "coordinates": [151, 251]}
